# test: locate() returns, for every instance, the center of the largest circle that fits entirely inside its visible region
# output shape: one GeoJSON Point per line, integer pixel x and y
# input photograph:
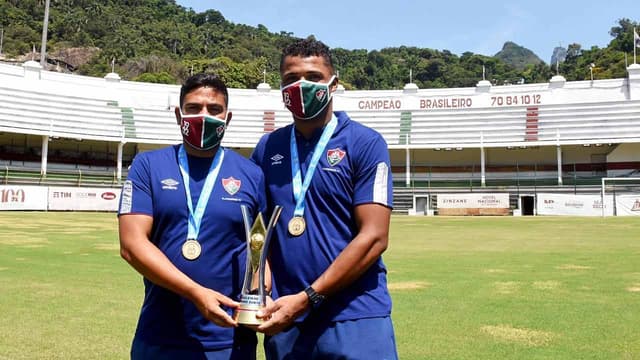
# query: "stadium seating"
{"type": "Point", "coordinates": [586, 129]}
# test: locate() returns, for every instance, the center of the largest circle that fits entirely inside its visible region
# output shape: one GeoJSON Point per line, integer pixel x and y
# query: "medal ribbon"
{"type": "Point", "coordinates": [195, 217]}
{"type": "Point", "coordinates": [300, 188]}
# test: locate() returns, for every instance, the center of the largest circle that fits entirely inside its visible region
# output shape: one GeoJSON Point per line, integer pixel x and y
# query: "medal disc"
{"type": "Point", "coordinates": [296, 226]}
{"type": "Point", "coordinates": [191, 249]}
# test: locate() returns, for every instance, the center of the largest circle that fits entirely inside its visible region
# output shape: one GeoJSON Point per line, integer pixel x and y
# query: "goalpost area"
{"type": "Point", "coordinates": [621, 196]}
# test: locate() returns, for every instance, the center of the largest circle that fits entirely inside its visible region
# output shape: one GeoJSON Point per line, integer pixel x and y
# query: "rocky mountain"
{"type": "Point", "coordinates": [559, 55]}
{"type": "Point", "coordinates": [517, 56]}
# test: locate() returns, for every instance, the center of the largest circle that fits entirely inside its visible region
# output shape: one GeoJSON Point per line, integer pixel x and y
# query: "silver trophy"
{"type": "Point", "coordinates": [254, 296]}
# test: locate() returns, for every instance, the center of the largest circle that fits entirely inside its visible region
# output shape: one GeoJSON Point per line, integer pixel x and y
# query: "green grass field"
{"type": "Point", "coordinates": [463, 287]}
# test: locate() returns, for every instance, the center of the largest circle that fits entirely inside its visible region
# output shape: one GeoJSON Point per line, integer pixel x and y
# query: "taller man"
{"type": "Point", "coordinates": [332, 177]}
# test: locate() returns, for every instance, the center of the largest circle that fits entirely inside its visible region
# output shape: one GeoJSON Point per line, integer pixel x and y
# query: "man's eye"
{"type": "Point", "coordinates": [214, 110]}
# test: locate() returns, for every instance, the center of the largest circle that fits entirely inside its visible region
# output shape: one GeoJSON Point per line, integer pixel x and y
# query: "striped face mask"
{"type": "Point", "coordinates": [202, 132]}
{"type": "Point", "coordinates": [306, 99]}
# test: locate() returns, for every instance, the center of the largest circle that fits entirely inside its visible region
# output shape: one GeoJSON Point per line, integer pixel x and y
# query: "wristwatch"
{"type": "Point", "coordinates": [315, 299]}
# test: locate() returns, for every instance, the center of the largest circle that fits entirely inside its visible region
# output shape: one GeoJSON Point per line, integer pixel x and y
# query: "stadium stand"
{"type": "Point", "coordinates": [557, 136]}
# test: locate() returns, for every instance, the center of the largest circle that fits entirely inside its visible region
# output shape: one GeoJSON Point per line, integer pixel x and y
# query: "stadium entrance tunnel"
{"type": "Point", "coordinates": [527, 204]}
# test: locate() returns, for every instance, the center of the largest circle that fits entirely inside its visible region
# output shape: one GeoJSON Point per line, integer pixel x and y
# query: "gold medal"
{"type": "Point", "coordinates": [191, 249]}
{"type": "Point", "coordinates": [296, 226]}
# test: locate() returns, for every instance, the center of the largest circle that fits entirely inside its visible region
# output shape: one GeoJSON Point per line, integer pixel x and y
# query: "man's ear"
{"type": "Point", "coordinates": [334, 86]}
{"type": "Point", "coordinates": [178, 117]}
{"type": "Point", "coordinates": [229, 116]}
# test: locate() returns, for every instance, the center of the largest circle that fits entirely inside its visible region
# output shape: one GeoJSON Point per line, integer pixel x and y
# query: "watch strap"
{"type": "Point", "coordinates": [315, 299]}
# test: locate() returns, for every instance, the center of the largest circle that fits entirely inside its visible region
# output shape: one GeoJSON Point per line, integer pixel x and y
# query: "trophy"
{"type": "Point", "coordinates": [253, 296]}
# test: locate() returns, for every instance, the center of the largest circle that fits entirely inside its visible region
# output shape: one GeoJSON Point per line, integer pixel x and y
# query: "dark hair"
{"type": "Point", "coordinates": [308, 47]}
{"type": "Point", "coordinates": [199, 80]}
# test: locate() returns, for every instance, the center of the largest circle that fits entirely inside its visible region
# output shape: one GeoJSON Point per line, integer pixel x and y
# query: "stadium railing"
{"type": "Point", "coordinates": [11, 175]}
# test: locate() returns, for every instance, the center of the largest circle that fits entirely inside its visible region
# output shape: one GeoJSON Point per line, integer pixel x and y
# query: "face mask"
{"type": "Point", "coordinates": [306, 99]}
{"type": "Point", "coordinates": [202, 132]}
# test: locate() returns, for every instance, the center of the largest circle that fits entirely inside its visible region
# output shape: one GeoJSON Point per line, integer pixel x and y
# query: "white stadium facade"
{"type": "Point", "coordinates": [486, 150]}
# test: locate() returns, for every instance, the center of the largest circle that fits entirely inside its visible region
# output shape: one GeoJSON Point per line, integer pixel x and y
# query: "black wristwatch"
{"type": "Point", "coordinates": [315, 299]}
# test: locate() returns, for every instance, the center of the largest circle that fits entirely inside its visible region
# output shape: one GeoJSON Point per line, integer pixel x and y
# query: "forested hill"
{"type": "Point", "coordinates": [160, 41]}
{"type": "Point", "coordinates": [517, 56]}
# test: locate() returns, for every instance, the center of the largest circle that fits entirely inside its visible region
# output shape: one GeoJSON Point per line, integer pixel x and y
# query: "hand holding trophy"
{"type": "Point", "coordinates": [253, 296]}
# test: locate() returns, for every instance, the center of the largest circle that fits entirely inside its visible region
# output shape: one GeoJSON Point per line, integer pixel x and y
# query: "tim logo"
{"type": "Point", "coordinates": [231, 185]}
{"type": "Point", "coordinates": [12, 196]}
{"type": "Point", "coordinates": [636, 205]}
{"type": "Point", "coordinates": [334, 156]}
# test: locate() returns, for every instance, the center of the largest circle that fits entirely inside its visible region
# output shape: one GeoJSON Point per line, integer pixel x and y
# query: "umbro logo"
{"type": "Point", "coordinates": [276, 159]}
{"type": "Point", "coordinates": [169, 184]}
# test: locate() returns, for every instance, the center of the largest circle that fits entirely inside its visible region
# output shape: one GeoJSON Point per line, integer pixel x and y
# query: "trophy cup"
{"type": "Point", "coordinates": [253, 296]}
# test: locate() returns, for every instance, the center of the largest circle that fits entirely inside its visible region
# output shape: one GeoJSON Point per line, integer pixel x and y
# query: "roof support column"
{"type": "Point", "coordinates": [559, 156]}
{"type": "Point", "coordinates": [407, 165]}
{"type": "Point", "coordinates": [44, 155]}
{"type": "Point", "coordinates": [483, 181]}
{"type": "Point", "coordinates": [119, 164]}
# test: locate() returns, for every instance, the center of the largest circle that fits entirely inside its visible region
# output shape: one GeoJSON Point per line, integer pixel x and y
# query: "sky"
{"type": "Point", "coordinates": [481, 27]}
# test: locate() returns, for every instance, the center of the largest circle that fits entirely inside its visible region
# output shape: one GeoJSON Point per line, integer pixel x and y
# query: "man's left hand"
{"type": "Point", "coordinates": [282, 313]}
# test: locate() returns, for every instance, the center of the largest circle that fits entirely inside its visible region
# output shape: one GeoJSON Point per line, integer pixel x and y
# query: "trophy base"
{"type": "Point", "coordinates": [247, 316]}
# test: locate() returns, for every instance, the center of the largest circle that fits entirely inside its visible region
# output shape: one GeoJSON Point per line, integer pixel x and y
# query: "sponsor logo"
{"type": "Point", "coordinates": [86, 195]}
{"type": "Point", "coordinates": [169, 184]}
{"type": "Point", "coordinates": [276, 159]}
{"type": "Point", "coordinates": [454, 201]}
{"type": "Point", "coordinates": [108, 196]}
{"type": "Point", "coordinates": [62, 195]}
{"type": "Point", "coordinates": [334, 156]}
{"type": "Point", "coordinates": [127, 194]}
{"type": "Point", "coordinates": [331, 170]}
{"type": "Point", "coordinates": [12, 196]}
{"type": "Point", "coordinates": [231, 185]}
{"type": "Point", "coordinates": [574, 204]}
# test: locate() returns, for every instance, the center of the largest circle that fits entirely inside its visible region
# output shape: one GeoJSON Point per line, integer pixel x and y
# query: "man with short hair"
{"type": "Point", "coordinates": [181, 227]}
{"type": "Point", "coordinates": [332, 176]}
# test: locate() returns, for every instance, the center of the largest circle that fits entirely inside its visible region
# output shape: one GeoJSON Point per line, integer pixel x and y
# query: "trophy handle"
{"type": "Point", "coordinates": [263, 259]}
{"type": "Point", "coordinates": [246, 216]}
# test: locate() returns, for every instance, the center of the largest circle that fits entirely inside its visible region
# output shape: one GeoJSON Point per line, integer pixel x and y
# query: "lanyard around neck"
{"type": "Point", "coordinates": [300, 188]}
{"type": "Point", "coordinates": [195, 216]}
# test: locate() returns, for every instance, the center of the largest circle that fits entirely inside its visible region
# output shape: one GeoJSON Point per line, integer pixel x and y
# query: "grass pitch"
{"type": "Point", "coordinates": [463, 287]}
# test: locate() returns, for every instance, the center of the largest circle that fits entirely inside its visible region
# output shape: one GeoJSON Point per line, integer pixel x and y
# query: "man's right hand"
{"type": "Point", "coordinates": [210, 303]}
